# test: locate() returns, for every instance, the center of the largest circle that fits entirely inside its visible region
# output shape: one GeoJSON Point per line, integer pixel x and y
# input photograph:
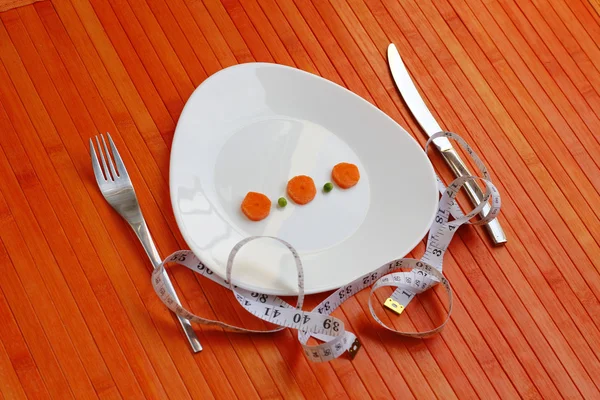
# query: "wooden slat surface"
{"type": "Point", "coordinates": [520, 80]}
{"type": "Point", "coordinates": [6, 5]}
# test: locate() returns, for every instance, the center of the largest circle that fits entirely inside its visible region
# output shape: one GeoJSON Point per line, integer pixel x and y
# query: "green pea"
{"type": "Point", "coordinates": [328, 187]}
{"type": "Point", "coordinates": [282, 202]}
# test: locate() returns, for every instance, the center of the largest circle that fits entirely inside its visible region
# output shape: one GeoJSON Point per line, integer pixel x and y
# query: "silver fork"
{"type": "Point", "coordinates": [117, 189]}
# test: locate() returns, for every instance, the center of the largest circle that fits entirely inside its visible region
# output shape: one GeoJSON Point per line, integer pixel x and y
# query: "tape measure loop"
{"type": "Point", "coordinates": [491, 193]}
{"type": "Point", "coordinates": [233, 253]}
{"type": "Point", "coordinates": [420, 278]}
{"type": "Point", "coordinates": [463, 143]}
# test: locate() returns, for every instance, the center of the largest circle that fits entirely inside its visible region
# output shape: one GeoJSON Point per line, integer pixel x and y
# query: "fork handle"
{"type": "Point", "coordinates": [143, 233]}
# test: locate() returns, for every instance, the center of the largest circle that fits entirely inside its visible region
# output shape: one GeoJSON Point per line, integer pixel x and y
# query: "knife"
{"type": "Point", "coordinates": [428, 123]}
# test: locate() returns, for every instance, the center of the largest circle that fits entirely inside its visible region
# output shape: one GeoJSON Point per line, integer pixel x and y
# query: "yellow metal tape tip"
{"type": "Point", "coordinates": [394, 305]}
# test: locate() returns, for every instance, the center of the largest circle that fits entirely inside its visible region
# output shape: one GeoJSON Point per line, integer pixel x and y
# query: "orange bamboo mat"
{"type": "Point", "coordinates": [520, 80]}
{"type": "Point", "coordinates": [10, 4]}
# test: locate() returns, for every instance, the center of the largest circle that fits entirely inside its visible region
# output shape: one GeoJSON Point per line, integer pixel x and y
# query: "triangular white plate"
{"type": "Point", "coordinates": [252, 127]}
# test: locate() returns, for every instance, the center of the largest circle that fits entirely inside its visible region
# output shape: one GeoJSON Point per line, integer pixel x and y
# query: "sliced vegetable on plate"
{"type": "Point", "coordinates": [256, 206]}
{"type": "Point", "coordinates": [345, 175]}
{"type": "Point", "coordinates": [301, 189]}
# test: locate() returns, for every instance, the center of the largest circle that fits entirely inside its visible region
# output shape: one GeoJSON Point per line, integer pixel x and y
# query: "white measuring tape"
{"type": "Point", "coordinates": [422, 275]}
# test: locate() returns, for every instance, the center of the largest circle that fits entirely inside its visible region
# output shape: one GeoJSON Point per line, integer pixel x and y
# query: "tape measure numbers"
{"type": "Point", "coordinates": [318, 323]}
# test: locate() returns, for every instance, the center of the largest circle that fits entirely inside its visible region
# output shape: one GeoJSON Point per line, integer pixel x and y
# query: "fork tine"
{"type": "Point", "coordinates": [96, 164]}
{"type": "Point", "coordinates": [109, 158]}
{"type": "Point", "coordinates": [120, 165]}
{"type": "Point", "coordinates": [104, 166]}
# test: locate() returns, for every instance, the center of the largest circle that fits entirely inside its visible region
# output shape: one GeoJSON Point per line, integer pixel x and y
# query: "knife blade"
{"type": "Point", "coordinates": [426, 120]}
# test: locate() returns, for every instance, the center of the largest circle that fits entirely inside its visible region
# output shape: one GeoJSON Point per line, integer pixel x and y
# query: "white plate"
{"type": "Point", "coordinates": [252, 127]}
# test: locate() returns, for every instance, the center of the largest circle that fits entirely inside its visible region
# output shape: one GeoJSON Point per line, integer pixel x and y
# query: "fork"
{"type": "Point", "coordinates": [117, 189]}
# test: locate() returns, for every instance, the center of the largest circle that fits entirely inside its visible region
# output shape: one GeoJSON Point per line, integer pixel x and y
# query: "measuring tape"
{"type": "Point", "coordinates": [318, 323]}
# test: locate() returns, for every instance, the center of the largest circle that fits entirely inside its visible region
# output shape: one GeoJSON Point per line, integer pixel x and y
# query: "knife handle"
{"type": "Point", "coordinates": [475, 195]}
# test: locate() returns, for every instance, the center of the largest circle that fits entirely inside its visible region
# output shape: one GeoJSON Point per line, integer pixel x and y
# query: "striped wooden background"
{"type": "Point", "coordinates": [519, 79]}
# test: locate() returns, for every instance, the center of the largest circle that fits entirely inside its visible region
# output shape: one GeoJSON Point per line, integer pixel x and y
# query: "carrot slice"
{"type": "Point", "coordinates": [301, 189]}
{"type": "Point", "coordinates": [345, 175]}
{"type": "Point", "coordinates": [256, 206]}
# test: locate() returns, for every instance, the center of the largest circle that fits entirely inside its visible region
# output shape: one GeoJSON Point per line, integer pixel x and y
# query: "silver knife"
{"type": "Point", "coordinates": [428, 123]}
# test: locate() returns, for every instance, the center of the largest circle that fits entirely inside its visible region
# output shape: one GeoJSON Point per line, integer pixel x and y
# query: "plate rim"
{"type": "Point", "coordinates": [186, 235]}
